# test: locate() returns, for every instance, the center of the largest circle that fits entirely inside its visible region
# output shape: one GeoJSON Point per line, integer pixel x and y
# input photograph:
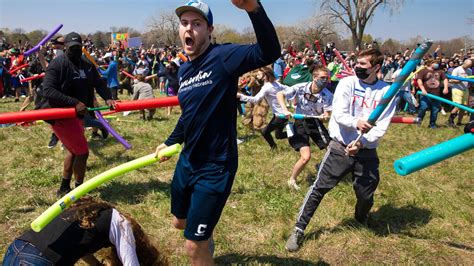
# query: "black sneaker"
{"type": "Point", "coordinates": [96, 135]}
{"type": "Point", "coordinates": [53, 141]}
{"type": "Point", "coordinates": [295, 240]}
{"type": "Point", "coordinates": [63, 191]}
{"type": "Point", "coordinates": [104, 132]}
{"type": "Point", "coordinates": [364, 221]}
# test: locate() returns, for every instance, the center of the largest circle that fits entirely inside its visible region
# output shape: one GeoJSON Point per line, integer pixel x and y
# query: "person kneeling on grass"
{"type": "Point", "coordinates": [141, 91]}
{"type": "Point", "coordinates": [79, 232]}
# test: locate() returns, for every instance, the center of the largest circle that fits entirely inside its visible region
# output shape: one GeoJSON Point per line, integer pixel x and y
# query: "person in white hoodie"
{"type": "Point", "coordinates": [268, 91]}
{"type": "Point", "coordinates": [354, 99]}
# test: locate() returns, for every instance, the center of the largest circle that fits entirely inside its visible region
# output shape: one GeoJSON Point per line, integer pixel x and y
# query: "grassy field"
{"type": "Point", "coordinates": [423, 218]}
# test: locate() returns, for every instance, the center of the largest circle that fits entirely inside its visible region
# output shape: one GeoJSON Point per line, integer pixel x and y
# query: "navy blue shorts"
{"type": "Point", "coordinates": [199, 195]}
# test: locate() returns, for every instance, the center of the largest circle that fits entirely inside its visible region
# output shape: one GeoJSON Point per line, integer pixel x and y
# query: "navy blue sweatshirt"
{"type": "Point", "coordinates": [207, 93]}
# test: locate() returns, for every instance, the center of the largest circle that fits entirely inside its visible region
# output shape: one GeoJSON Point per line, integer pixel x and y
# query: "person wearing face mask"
{"type": "Point", "coordinates": [312, 99]}
{"type": "Point", "coordinates": [430, 80]}
{"type": "Point", "coordinates": [354, 99]}
{"type": "Point", "coordinates": [69, 82]}
{"type": "Point", "coordinates": [268, 91]}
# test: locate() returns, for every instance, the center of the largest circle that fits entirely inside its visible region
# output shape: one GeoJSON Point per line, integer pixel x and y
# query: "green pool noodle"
{"type": "Point", "coordinates": [59, 206]}
{"type": "Point", "coordinates": [434, 154]}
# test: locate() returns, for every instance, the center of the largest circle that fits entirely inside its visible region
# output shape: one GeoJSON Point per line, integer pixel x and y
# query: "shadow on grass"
{"type": "Point", "coordinates": [240, 259]}
{"type": "Point", "coordinates": [132, 193]}
{"type": "Point", "coordinates": [111, 159]}
{"type": "Point", "coordinates": [385, 221]}
{"type": "Point", "coordinates": [389, 219]}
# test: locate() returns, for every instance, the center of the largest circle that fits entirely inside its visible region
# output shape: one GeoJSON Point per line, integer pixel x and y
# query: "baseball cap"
{"type": "Point", "coordinates": [198, 7]}
{"type": "Point", "coordinates": [72, 39]}
{"type": "Point", "coordinates": [58, 40]}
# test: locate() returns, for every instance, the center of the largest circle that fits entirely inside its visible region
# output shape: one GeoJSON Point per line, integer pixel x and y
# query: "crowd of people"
{"type": "Point", "coordinates": [212, 82]}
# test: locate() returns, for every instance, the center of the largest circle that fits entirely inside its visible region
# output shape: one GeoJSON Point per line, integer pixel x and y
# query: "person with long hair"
{"type": "Point", "coordinates": [269, 90]}
{"type": "Point", "coordinates": [79, 232]}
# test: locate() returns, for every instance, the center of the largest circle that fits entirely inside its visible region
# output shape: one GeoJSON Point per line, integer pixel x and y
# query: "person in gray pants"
{"type": "Point", "coordinates": [354, 99]}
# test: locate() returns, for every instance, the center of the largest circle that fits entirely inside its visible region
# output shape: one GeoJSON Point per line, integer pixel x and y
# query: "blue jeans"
{"type": "Point", "coordinates": [406, 95]}
{"type": "Point", "coordinates": [434, 107]}
{"type": "Point", "coordinates": [23, 253]}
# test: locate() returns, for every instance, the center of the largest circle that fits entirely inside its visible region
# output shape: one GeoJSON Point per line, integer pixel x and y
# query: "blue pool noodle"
{"type": "Point", "coordinates": [434, 154]}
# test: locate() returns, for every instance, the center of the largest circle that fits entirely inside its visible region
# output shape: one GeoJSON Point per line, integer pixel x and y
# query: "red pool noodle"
{"type": "Point", "coordinates": [146, 104]}
{"type": "Point", "coordinates": [109, 113]}
{"type": "Point", "coordinates": [17, 68]}
{"type": "Point", "coordinates": [405, 120]}
{"type": "Point", "coordinates": [43, 114]}
{"type": "Point", "coordinates": [316, 42]}
{"type": "Point", "coordinates": [128, 74]}
{"type": "Point", "coordinates": [33, 78]}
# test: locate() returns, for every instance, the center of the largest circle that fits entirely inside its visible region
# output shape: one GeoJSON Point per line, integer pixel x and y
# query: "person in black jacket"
{"type": "Point", "coordinates": [69, 82]}
{"type": "Point", "coordinates": [79, 232]}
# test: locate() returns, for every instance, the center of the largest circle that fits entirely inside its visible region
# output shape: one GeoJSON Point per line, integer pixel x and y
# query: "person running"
{"type": "Point", "coordinates": [69, 82]}
{"type": "Point", "coordinates": [354, 99]}
{"type": "Point", "coordinates": [207, 165]}
{"type": "Point", "coordinates": [312, 99]}
{"type": "Point", "coordinates": [269, 90]}
{"type": "Point", "coordinates": [79, 232]}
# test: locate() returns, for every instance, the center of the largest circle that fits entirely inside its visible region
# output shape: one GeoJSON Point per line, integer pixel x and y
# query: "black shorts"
{"type": "Point", "coordinates": [199, 195]}
{"type": "Point", "coordinates": [309, 128]}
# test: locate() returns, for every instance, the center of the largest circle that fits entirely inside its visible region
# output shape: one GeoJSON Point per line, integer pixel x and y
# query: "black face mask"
{"type": "Point", "coordinates": [361, 72]}
{"type": "Point", "coordinates": [74, 53]}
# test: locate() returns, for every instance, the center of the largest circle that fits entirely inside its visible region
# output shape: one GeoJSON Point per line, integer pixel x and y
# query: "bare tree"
{"type": "Point", "coordinates": [315, 28]}
{"type": "Point", "coordinates": [356, 14]}
{"type": "Point", "coordinates": [166, 27]}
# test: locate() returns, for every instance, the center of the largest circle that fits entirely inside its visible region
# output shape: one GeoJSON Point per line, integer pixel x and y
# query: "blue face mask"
{"type": "Point", "coordinates": [321, 84]}
{"type": "Point", "coordinates": [435, 66]}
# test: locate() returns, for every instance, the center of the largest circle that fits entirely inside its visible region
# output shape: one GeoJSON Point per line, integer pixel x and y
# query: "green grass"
{"type": "Point", "coordinates": [425, 217]}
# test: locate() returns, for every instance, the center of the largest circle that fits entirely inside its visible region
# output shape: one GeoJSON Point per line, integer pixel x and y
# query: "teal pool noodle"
{"type": "Point", "coordinates": [441, 99]}
{"type": "Point", "coordinates": [434, 154]}
{"type": "Point", "coordinates": [299, 116]}
{"type": "Point", "coordinates": [460, 78]}
{"type": "Point", "coordinates": [397, 84]}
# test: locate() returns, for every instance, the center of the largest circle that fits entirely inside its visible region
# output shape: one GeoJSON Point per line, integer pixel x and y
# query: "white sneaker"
{"type": "Point", "coordinates": [126, 113]}
{"type": "Point", "coordinates": [443, 112]}
{"type": "Point", "coordinates": [4, 97]}
{"type": "Point", "coordinates": [239, 141]}
{"type": "Point", "coordinates": [292, 184]}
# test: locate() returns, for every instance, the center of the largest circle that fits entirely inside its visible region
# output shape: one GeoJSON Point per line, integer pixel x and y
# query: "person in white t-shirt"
{"type": "Point", "coordinates": [312, 99]}
{"type": "Point", "coordinates": [269, 91]}
{"type": "Point", "coordinates": [460, 91]}
{"type": "Point", "coordinates": [354, 99]}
